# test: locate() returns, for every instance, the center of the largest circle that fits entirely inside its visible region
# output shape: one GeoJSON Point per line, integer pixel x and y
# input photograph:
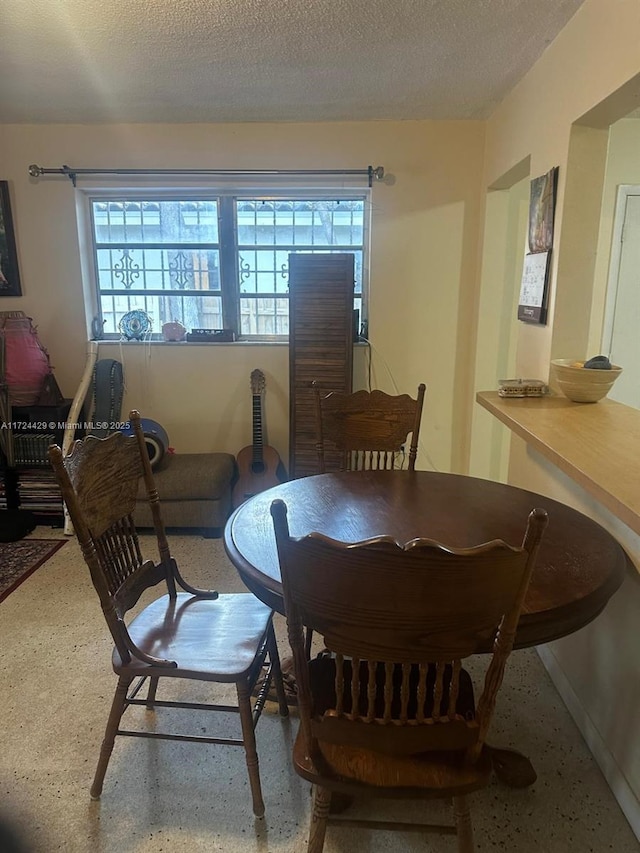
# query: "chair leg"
{"type": "Point", "coordinates": [463, 825]}
{"type": "Point", "coordinates": [117, 709]}
{"type": "Point", "coordinates": [308, 640]}
{"type": "Point", "coordinates": [251, 754]}
{"type": "Point", "coordinates": [151, 695]}
{"type": "Point", "coordinates": [319, 815]}
{"type": "Point", "coordinates": [276, 672]}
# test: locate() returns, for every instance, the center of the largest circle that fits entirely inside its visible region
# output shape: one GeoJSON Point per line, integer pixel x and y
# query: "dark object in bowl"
{"type": "Point", "coordinates": [598, 362]}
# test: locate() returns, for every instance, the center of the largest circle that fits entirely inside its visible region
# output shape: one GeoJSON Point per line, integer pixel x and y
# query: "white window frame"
{"type": "Point", "coordinates": [225, 195]}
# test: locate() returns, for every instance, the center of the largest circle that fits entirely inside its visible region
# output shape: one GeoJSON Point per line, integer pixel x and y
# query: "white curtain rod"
{"type": "Point", "coordinates": [372, 172]}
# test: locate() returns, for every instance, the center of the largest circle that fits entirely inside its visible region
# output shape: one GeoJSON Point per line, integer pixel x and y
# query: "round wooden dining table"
{"type": "Point", "coordinates": [579, 566]}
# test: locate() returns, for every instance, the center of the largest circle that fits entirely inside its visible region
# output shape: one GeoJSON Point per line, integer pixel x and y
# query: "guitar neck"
{"type": "Point", "coordinates": [258, 438]}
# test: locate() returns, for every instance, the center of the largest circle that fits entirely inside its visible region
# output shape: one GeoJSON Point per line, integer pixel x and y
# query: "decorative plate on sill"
{"type": "Point", "coordinates": [135, 325]}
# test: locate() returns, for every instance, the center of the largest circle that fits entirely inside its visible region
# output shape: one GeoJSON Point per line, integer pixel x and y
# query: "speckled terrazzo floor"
{"type": "Point", "coordinates": [56, 686]}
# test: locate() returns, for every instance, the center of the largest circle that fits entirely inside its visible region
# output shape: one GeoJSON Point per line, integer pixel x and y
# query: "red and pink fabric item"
{"type": "Point", "coordinates": [26, 361]}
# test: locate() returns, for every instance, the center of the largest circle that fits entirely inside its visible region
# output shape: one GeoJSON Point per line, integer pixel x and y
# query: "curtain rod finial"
{"type": "Point", "coordinates": [35, 171]}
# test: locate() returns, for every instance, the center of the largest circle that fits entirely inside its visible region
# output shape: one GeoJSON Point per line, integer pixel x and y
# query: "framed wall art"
{"type": "Point", "coordinates": [532, 305]}
{"type": "Point", "coordinates": [542, 208]}
{"type": "Point", "coordinates": [534, 290]}
{"type": "Point", "coordinates": [9, 274]}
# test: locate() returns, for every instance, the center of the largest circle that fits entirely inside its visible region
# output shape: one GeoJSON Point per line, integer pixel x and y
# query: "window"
{"type": "Point", "coordinates": [219, 261]}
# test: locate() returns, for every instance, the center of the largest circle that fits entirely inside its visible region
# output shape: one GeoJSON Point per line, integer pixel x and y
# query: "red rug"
{"type": "Point", "coordinates": [20, 559]}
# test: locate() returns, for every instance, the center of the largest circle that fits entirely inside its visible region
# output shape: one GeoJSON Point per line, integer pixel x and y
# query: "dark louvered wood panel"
{"type": "Point", "coordinates": [320, 347]}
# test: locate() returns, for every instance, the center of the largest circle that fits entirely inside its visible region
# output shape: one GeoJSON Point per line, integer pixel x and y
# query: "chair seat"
{"type": "Point", "coordinates": [354, 764]}
{"type": "Point", "coordinates": [210, 639]}
{"type": "Point", "coordinates": [355, 771]}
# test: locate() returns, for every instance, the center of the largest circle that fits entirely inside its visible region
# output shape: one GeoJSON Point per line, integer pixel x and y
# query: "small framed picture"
{"type": "Point", "coordinates": [534, 290]}
{"type": "Point", "coordinates": [9, 274]}
{"type": "Point", "coordinates": [542, 207]}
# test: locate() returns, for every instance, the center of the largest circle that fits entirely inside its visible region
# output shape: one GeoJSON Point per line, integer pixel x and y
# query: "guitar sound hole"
{"type": "Point", "coordinates": [258, 467]}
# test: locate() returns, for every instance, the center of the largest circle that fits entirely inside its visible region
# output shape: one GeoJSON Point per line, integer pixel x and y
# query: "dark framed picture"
{"type": "Point", "coordinates": [542, 207]}
{"type": "Point", "coordinates": [9, 274]}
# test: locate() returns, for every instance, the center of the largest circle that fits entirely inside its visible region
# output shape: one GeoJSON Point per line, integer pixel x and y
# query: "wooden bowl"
{"type": "Point", "coordinates": [583, 384]}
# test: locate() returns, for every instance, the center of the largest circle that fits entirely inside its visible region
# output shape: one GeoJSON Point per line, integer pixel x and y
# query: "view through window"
{"type": "Point", "coordinates": [216, 262]}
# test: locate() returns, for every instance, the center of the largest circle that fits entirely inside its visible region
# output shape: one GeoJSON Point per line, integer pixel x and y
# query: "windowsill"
{"type": "Point", "coordinates": [596, 444]}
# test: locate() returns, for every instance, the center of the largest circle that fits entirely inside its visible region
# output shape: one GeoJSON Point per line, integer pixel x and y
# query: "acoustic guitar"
{"type": "Point", "coordinates": [258, 463]}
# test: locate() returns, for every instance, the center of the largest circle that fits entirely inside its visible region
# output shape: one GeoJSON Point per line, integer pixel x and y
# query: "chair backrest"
{"type": "Point", "coordinates": [99, 480]}
{"type": "Point", "coordinates": [368, 429]}
{"type": "Point", "coordinates": [398, 620]}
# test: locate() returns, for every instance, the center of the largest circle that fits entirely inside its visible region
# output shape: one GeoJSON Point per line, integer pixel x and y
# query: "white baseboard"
{"type": "Point", "coordinates": [627, 800]}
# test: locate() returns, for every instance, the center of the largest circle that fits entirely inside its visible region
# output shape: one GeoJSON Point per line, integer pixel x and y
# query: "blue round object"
{"type": "Point", "coordinates": [155, 437]}
{"type": "Point", "coordinates": [135, 325]}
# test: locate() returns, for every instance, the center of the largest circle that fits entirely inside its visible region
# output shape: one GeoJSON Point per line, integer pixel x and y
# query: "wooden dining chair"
{"type": "Point", "coordinates": [190, 634]}
{"type": "Point", "coordinates": [387, 710]}
{"type": "Point", "coordinates": [366, 430]}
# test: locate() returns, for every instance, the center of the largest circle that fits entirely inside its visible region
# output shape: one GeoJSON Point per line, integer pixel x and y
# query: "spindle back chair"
{"type": "Point", "coordinates": [187, 633]}
{"type": "Point", "coordinates": [367, 429]}
{"type": "Point", "coordinates": [388, 709]}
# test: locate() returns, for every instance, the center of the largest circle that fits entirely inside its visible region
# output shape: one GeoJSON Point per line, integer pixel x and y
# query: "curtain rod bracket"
{"type": "Point", "coordinates": [36, 171]}
{"type": "Point", "coordinates": [376, 173]}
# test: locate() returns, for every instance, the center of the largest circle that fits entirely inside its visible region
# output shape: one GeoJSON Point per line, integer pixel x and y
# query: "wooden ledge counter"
{"type": "Point", "coordinates": [596, 444]}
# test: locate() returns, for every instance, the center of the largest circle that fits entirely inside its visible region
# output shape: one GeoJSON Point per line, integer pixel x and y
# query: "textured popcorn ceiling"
{"type": "Point", "coordinates": [266, 60]}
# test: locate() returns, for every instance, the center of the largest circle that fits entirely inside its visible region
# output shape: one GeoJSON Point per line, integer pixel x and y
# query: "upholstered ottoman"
{"type": "Point", "coordinates": [194, 489]}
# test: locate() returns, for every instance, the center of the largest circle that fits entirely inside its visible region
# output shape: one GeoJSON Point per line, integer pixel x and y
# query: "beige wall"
{"type": "Point", "coordinates": [425, 222]}
{"type": "Point", "coordinates": [587, 69]}
{"type": "Point", "coordinates": [596, 53]}
{"type": "Point", "coordinates": [623, 167]}
{"type": "Point", "coordinates": [505, 234]}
